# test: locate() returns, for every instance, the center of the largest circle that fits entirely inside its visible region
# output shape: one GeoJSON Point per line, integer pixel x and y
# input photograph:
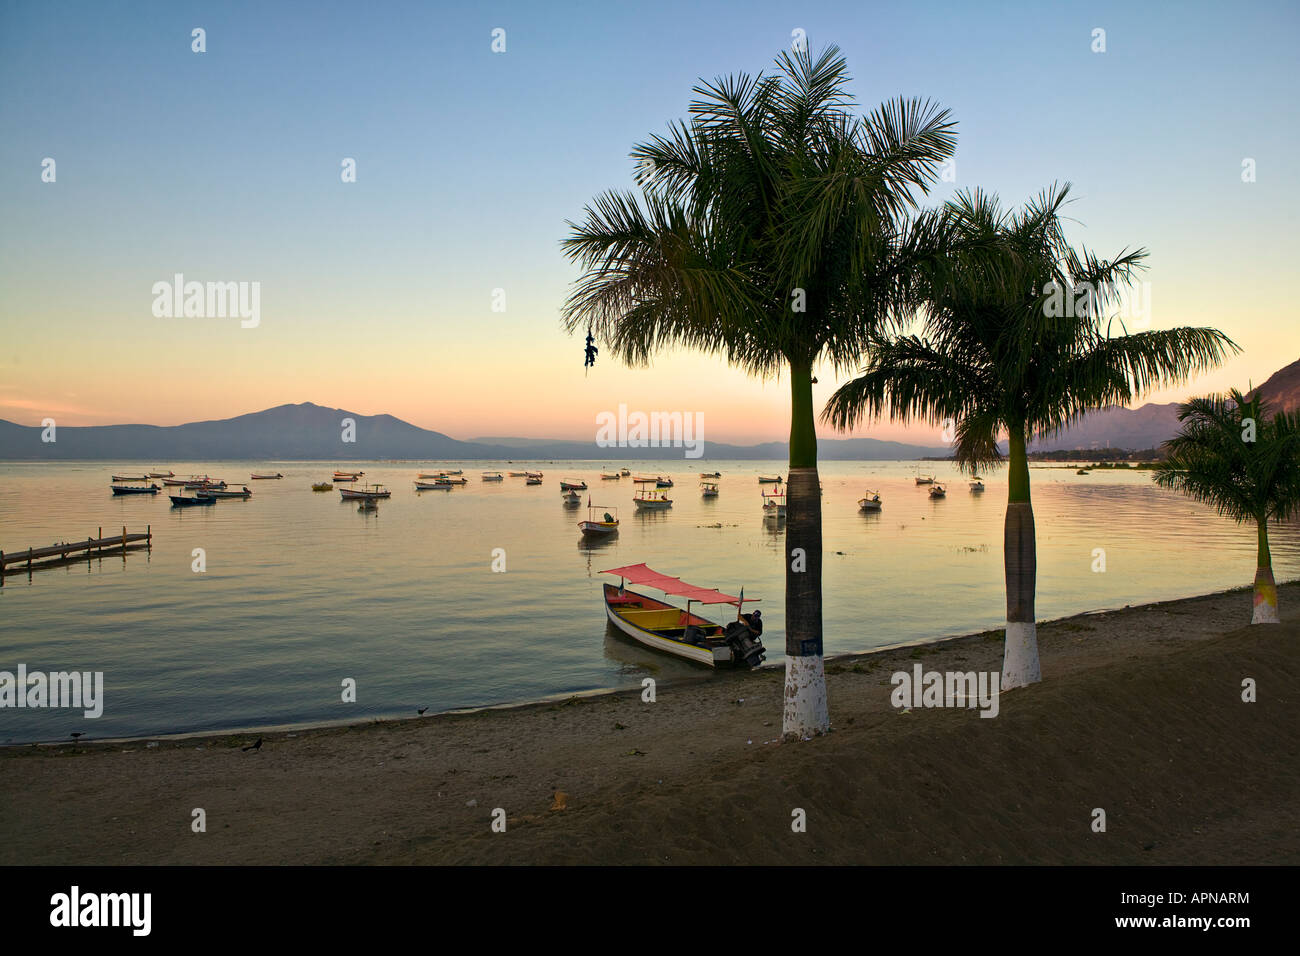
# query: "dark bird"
{"type": "Point", "coordinates": [256, 746]}
{"type": "Point", "coordinates": [78, 733]}
{"type": "Point", "coordinates": [422, 710]}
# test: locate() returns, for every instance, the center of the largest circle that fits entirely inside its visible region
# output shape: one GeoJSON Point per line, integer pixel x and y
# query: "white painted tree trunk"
{"type": "Point", "coordinates": [1020, 656]}
{"type": "Point", "coordinates": [1265, 598]}
{"type": "Point", "coordinates": [805, 713]}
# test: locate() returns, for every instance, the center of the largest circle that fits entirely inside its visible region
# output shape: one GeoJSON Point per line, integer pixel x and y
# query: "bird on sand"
{"type": "Point", "coordinates": [256, 746]}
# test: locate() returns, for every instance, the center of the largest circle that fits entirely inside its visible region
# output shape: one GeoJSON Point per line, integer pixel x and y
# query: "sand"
{"type": "Point", "coordinates": [1139, 714]}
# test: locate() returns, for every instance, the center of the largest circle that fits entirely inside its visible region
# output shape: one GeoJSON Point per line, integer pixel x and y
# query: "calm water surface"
{"type": "Point", "coordinates": [302, 590]}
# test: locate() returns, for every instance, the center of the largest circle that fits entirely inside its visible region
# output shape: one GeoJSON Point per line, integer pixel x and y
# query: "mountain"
{"type": "Point", "coordinates": [1150, 425]}
{"type": "Point", "coordinates": [1282, 389]}
{"type": "Point", "coordinates": [309, 432]}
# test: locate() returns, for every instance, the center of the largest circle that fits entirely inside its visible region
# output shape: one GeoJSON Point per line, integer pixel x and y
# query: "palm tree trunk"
{"type": "Point", "coordinates": [805, 713]}
{"type": "Point", "coordinates": [1265, 587]}
{"type": "Point", "coordinates": [1020, 559]}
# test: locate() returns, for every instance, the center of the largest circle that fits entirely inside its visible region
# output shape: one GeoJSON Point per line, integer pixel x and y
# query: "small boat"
{"type": "Point", "coordinates": [149, 489]}
{"type": "Point", "coordinates": [599, 528]}
{"type": "Point", "coordinates": [162, 474]}
{"type": "Point", "coordinates": [176, 482]}
{"type": "Point", "coordinates": [181, 501]}
{"type": "Point", "coordinates": [433, 486]}
{"type": "Point", "coordinates": [665, 627]}
{"type": "Point", "coordinates": [976, 484]}
{"type": "Point", "coordinates": [492, 476]}
{"type": "Point", "coordinates": [532, 474]}
{"type": "Point", "coordinates": [774, 504]}
{"type": "Point", "coordinates": [533, 480]}
{"type": "Point", "coordinates": [573, 485]}
{"type": "Point", "coordinates": [216, 493]}
{"type": "Point", "coordinates": [870, 501]}
{"type": "Point", "coordinates": [130, 477]}
{"type": "Point", "coordinates": [925, 479]}
{"type": "Point", "coordinates": [448, 480]}
{"type": "Point", "coordinates": [770, 480]}
{"type": "Point", "coordinates": [204, 485]}
{"type": "Point", "coordinates": [348, 475]}
{"type": "Point", "coordinates": [663, 482]}
{"type": "Point", "coordinates": [708, 489]}
{"type": "Point", "coordinates": [937, 491]}
{"type": "Point", "coordinates": [608, 477]}
{"type": "Point", "coordinates": [266, 477]}
{"type": "Point", "coordinates": [643, 480]}
{"type": "Point", "coordinates": [710, 474]}
{"type": "Point", "coordinates": [365, 492]}
{"type": "Point", "coordinates": [458, 471]}
{"type": "Point", "coordinates": [651, 501]}
{"type": "Point", "coordinates": [572, 499]}
{"type": "Point", "coordinates": [1082, 471]}
{"type": "Point", "coordinates": [517, 474]}
{"type": "Point", "coordinates": [623, 472]}
{"type": "Point", "coordinates": [322, 486]}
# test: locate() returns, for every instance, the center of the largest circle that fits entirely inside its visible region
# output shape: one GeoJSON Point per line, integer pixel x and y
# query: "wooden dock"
{"type": "Point", "coordinates": [12, 562]}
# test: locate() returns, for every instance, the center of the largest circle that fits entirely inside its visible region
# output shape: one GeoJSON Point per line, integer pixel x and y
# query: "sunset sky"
{"type": "Point", "coordinates": [376, 295]}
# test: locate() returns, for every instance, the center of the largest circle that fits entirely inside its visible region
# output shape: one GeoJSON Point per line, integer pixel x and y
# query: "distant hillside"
{"type": "Point", "coordinates": [1282, 389]}
{"type": "Point", "coordinates": [309, 432]}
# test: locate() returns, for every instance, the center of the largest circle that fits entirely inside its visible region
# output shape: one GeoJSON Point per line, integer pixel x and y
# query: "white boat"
{"type": "Point", "coordinates": [492, 476]}
{"type": "Point", "coordinates": [665, 627]}
{"type": "Point", "coordinates": [651, 501]}
{"type": "Point", "coordinates": [458, 471]}
{"type": "Point", "coordinates": [976, 484]}
{"type": "Point", "coordinates": [517, 474]}
{"type": "Point", "coordinates": [217, 493]}
{"type": "Point", "coordinates": [432, 486]}
{"type": "Point", "coordinates": [925, 479]}
{"type": "Point", "coordinates": [449, 480]}
{"type": "Point", "coordinates": [708, 489]}
{"type": "Point", "coordinates": [266, 477]}
{"type": "Point", "coordinates": [870, 501]}
{"type": "Point", "coordinates": [604, 476]}
{"type": "Point", "coordinates": [601, 527]}
{"type": "Point", "coordinates": [162, 474]}
{"type": "Point", "coordinates": [774, 504]}
{"type": "Point", "coordinates": [571, 498]}
{"type": "Point", "coordinates": [937, 491]}
{"type": "Point", "coordinates": [769, 479]}
{"type": "Point", "coordinates": [365, 492]}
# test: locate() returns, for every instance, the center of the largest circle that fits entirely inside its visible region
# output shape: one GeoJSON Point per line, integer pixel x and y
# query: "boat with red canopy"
{"type": "Point", "coordinates": [665, 627]}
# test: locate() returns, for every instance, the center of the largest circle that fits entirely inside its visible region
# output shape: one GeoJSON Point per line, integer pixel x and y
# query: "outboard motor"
{"type": "Point", "coordinates": [746, 649]}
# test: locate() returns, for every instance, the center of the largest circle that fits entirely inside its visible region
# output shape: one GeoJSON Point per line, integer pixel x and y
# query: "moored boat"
{"type": "Point", "coordinates": [651, 501]}
{"type": "Point", "coordinates": [348, 475]}
{"type": "Point", "coordinates": [365, 492]}
{"type": "Point", "coordinates": [217, 493]}
{"type": "Point", "coordinates": [533, 480]}
{"type": "Point", "coordinates": [870, 501]}
{"type": "Point", "coordinates": [433, 486]}
{"type": "Point", "coordinates": [162, 474]}
{"type": "Point", "coordinates": [573, 485]}
{"type": "Point", "coordinates": [130, 477]}
{"type": "Point", "coordinates": [672, 630]}
{"type": "Point", "coordinates": [571, 499]}
{"type": "Point", "coordinates": [322, 486]}
{"type": "Point", "coordinates": [184, 501]}
{"type": "Point", "coordinates": [603, 527]}
{"type": "Point", "coordinates": [708, 489]}
{"type": "Point", "coordinates": [925, 479]}
{"type": "Point", "coordinates": [176, 482]}
{"type": "Point", "coordinates": [605, 476]}
{"type": "Point", "coordinates": [624, 472]}
{"type": "Point", "coordinates": [149, 489]}
{"type": "Point", "coordinates": [492, 476]}
{"type": "Point", "coordinates": [976, 484]}
{"type": "Point", "coordinates": [938, 491]}
{"type": "Point", "coordinates": [517, 474]}
{"type": "Point", "coordinates": [770, 480]}
{"type": "Point", "coordinates": [710, 474]}
{"type": "Point", "coordinates": [663, 482]}
{"type": "Point", "coordinates": [266, 477]}
{"type": "Point", "coordinates": [773, 504]}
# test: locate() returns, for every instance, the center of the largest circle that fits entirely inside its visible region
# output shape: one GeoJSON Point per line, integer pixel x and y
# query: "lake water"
{"type": "Point", "coordinates": [302, 590]}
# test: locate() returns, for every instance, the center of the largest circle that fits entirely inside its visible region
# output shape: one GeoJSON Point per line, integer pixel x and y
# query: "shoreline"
{"type": "Point", "coordinates": [1138, 713]}
{"type": "Point", "coordinates": [298, 729]}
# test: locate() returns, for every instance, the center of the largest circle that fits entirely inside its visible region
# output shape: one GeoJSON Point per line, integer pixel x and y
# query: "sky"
{"type": "Point", "coordinates": [377, 295]}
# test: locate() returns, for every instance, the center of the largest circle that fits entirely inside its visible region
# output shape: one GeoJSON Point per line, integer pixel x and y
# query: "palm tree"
{"type": "Point", "coordinates": [1232, 455]}
{"type": "Point", "coordinates": [1013, 342]}
{"type": "Point", "coordinates": [770, 231]}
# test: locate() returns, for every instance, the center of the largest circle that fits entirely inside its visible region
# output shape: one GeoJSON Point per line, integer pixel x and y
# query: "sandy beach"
{"type": "Point", "coordinates": [1139, 713]}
